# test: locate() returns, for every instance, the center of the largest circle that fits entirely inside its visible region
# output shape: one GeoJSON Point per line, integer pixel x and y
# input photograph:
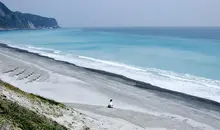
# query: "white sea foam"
{"type": "Point", "coordinates": [185, 83]}
{"type": "Point", "coordinates": [44, 49]}
{"type": "Point", "coordinates": [30, 48]}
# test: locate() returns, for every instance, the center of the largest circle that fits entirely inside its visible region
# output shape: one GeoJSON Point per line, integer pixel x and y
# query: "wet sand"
{"type": "Point", "coordinates": [90, 90]}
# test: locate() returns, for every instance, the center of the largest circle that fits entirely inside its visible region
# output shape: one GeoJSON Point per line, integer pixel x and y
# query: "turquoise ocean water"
{"type": "Point", "coordinates": [181, 59]}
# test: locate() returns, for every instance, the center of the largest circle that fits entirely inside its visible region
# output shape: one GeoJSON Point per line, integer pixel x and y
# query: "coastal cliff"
{"type": "Point", "coordinates": [18, 20]}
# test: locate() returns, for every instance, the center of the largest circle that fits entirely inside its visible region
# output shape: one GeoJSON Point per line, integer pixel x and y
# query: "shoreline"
{"type": "Point", "coordinates": [74, 85]}
{"type": "Point", "coordinates": [133, 82]}
{"type": "Point", "coordinates": [19, 29]}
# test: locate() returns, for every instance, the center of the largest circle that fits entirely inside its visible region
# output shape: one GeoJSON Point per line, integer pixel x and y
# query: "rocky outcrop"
{"type": "Point", "coordinates": [18, 20]}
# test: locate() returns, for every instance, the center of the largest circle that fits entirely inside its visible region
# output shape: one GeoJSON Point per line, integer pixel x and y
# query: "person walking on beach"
{"type": "Point", "coordinates": [110, 105]}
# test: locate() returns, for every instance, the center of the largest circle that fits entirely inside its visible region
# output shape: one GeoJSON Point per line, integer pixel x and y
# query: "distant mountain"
{"type": "Point", "coordinates": [18, 20]}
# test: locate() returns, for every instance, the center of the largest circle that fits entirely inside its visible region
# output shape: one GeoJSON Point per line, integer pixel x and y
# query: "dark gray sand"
{"type": "Point", "coordinates": [136, 102]}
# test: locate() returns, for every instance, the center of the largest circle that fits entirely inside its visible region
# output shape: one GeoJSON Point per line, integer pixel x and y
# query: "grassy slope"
{"type": "Point", "coordinates": [13, 114]}
{"type": "Point", "coordinates": [30, 95]}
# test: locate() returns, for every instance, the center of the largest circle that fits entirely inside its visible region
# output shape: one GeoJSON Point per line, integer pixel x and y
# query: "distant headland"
{"type": "Point", "coordinates": [10, 20]}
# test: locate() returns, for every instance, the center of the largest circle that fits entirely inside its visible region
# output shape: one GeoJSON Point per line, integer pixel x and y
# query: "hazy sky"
{"type": "Point", "coordinates": [124, 12]}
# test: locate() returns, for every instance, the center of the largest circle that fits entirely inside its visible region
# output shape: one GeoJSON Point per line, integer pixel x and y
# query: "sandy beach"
{"type": "Point", "coordinates": [137, 105]}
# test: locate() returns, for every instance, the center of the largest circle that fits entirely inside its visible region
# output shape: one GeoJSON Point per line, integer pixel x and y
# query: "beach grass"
{"type": "Point", "coordinates": [23, 118]}
{"type": "Point", "coordinates": [15, 116]}
{"type": "Point", "coordinates": [30, 95]}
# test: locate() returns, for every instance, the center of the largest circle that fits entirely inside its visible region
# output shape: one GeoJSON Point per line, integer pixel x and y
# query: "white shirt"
{"type": "Point", "coordinates": [111, 103]}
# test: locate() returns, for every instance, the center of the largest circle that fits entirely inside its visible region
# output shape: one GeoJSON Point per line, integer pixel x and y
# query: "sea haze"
{"type": "Point", "coordinates": [180, 59]}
